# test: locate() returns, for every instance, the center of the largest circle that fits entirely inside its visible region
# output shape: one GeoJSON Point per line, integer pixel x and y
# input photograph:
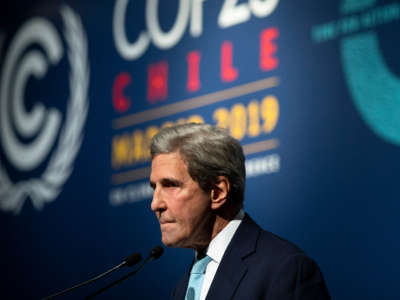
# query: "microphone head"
{"type": "Point", "coordinates": [156, 252]}
{"type": "Point", "coordinates": [133, 259]}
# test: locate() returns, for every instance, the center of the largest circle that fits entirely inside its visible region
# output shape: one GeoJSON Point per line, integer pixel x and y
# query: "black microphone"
{"type": "Point", "coordinates": [131, 260]}
{"type": "Point", "coordinates": [155, 253]}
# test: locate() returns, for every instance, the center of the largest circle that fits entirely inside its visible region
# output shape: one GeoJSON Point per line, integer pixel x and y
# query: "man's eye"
{"type": "Point", "coordinates": [170, 184]}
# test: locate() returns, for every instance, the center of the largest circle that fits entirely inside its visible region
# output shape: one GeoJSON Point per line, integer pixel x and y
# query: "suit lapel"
{"type": "Point", "coordinates": [180, 290]}
{"type": "Point", "coordinates": [233, 268]}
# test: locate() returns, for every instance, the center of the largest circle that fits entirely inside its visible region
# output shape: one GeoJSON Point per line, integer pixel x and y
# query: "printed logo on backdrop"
{"type": "Point", "coordinates": [375, 90]}
{"type": "Point", "coordinates": [53, 139]}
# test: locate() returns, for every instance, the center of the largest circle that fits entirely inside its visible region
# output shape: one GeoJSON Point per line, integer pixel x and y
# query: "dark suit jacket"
{"type": "Point", "coordinates": [259, 265]}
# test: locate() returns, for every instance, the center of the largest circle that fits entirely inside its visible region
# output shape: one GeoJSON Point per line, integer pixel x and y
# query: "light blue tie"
{"type": "Point", "coordinates": [196, 278]}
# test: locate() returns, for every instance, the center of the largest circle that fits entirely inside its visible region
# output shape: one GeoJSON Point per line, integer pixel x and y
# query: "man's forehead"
{"type": "Point", "coordinates": [168, 165]}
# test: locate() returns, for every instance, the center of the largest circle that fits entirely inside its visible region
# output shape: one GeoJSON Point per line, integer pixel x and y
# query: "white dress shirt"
{"type": "Point", "coordinates": [216, 250]}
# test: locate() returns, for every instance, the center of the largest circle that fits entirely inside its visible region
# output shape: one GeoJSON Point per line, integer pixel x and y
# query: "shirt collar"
{"type": "Point", "coordinates": [218, 245]}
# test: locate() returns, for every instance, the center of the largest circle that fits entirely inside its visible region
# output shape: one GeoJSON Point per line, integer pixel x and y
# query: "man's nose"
{"type": "Point", "coordinates": [157, 203]}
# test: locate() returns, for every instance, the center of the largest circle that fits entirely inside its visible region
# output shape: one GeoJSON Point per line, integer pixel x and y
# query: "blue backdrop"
{"type": "Point", "coordinates": [310, 88]}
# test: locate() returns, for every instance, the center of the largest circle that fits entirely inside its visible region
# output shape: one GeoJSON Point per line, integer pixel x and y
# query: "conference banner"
{"type": "Point", "coordinates": [310, 89]}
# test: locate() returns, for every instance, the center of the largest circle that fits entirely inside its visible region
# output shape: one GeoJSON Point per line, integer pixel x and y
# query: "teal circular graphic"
{"type": "Point", "coordinates": [375, 90]}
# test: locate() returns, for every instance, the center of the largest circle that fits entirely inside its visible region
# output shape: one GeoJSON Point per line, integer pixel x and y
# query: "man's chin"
{"type": "Point", "coordinates": [172, 243]}
{"type": "Point", "coordinates": [168, 242]}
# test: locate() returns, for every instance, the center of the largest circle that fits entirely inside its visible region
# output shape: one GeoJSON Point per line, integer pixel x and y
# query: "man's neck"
{"type": "Point", "coordinates": [219, 221]}
{"type": "Point", "coordinates": [222, 219]}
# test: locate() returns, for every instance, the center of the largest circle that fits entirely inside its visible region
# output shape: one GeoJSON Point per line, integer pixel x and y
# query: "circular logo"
{"type": "Point", "coordinates": [41, 126]}
{"type": "Point", "coordinates": [374, 88]}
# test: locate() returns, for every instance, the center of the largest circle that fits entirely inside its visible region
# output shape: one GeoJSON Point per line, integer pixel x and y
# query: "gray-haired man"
{"type": "Point", "coordinates": [198, 177]}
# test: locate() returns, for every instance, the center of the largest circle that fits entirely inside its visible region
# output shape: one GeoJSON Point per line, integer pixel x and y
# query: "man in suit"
{"type": "Point", "coordinates": [198, 177]}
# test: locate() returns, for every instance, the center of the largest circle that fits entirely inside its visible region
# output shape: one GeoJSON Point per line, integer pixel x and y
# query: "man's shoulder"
{"type": "Point", "coordinates": [276, 243]}
{"type": "Point", "coordinates": [265, 242]}
{"type": "Point", "coordinates": [267, 253]}
{"type": "Point", "coordinates": [274, 267]}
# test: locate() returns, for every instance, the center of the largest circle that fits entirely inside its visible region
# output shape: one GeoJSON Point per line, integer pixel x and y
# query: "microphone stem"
{"type": "Point", "coordinates": [85, 283]}
{"type": "Point", "coordinates": [119, 280]}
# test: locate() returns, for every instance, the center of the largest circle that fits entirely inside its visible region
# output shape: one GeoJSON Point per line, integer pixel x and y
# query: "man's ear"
{"type": "Point", "coordinates": [219, 192]}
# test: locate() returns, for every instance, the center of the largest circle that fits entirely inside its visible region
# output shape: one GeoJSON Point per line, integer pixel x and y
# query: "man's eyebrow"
{"type": "Point", "coordinates": [171, 182]}
{"type": "Point", "coordinates": [167, 182]}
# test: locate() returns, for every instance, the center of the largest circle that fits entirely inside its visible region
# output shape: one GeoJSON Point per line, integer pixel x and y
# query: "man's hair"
{"type": "Point", "coordinates": [208, 152]}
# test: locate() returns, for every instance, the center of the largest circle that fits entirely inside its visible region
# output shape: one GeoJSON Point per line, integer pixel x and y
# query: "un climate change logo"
{"type": "Point", "coordinates": [374, 88]}
{"type": "Point", "coordinates": [45, 128]}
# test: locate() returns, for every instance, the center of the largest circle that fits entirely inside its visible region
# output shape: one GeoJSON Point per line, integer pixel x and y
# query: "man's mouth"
{"type": "Point", "coordinates": [163, 221]}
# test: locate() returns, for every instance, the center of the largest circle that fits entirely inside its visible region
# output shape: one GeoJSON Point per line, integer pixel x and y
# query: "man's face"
{"type": "Point", "coordinates": [181, 206]}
